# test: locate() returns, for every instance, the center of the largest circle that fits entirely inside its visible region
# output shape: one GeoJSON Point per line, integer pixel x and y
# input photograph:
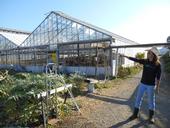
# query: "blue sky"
{"type": "Point", "coordinates": [144, 21]}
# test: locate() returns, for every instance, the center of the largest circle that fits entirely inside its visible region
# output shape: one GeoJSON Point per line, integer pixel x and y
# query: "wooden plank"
{"type": "Point", "coordinates": [51, 92]}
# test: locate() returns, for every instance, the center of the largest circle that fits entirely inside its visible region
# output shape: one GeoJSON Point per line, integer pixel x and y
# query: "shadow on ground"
{"type": "Point", "coordinates": [162, 114]}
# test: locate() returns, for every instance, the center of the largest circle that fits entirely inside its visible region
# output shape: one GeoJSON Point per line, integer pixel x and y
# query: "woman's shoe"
{"type": "Point", "coordinates": [151, 119]}
{"type": "Point", "coordinates": [135, 114]}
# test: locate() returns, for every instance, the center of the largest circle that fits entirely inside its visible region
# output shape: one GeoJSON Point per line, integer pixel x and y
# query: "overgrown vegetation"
{"type": "Point", "coordinates": [84, 60]}
{"type": "Point", "coordinates": [123, 72]}
{"type": "Point", "coordinates": [166, 59]}
{"type": "Point", "coordinates": [127, 71]}
{"type": "Point", "coordinates": [78, 83]}
{"type": "Point", "coordinates": [19, 104]}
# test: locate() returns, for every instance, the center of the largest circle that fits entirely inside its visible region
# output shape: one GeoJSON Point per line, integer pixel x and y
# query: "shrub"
{"type": "Point", "coordinates": [78, 83]}
{"type": "Point", "coordinates": [140, 55]}
{"type": "Point", "coordinates": [19, 105]}
{"type": "Point", "coordinates": [126, 71]}
{"type": "Point", "coordinates": [122, 72]}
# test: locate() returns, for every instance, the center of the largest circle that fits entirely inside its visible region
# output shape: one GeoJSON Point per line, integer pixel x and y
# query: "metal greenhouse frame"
{"type": "Point", "coordinates": [66, 41]}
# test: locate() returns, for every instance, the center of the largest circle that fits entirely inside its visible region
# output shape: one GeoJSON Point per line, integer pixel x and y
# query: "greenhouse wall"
{"type": "Point", "coordinates": [35, 69]}
{"type": "Point", "coordinates": [19, 68]}
{"type": "Point", "coordinates": [91, 71]}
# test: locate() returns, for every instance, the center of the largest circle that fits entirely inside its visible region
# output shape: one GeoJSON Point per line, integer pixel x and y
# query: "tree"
{"type": "Point", "coordinates": [140, 55]}
{"type": "Point", "coordinates": [168, 39]}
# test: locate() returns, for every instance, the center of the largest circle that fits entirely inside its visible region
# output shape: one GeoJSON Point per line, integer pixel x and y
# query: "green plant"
{"type": "Point", "coordinates": [126, 71]}
{"type": "Point", "coordinates": [140, 55]}
{"type": "Point", "coordinates": [78, 83]}
{"type": "Point", "coordinates": [106, 84]}
{"type": "Point", "coordinates": [64, 110]}
{"type": "Point", "coordinates": [122, 72]}
{"type": "Point", "coordinates": [18, 95]}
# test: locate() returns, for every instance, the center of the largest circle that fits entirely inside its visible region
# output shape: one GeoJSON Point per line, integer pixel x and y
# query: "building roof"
{"type": "Point", "coordinates": [19, 37]}
{"type": "Point", "coordinates": [16, 36]}
{"type": "Point", "coordinates": [113, 35]}
{"type": "Point", "coordinates": [14, 31]}
{"type": "Point", "coordinates": [5, 43]}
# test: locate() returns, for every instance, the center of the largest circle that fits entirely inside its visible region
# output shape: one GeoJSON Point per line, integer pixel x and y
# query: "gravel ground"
{"type": "Point", "coordinates": [110, 108]}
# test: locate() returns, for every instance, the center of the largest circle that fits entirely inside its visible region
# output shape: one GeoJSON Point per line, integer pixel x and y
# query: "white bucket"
{"type": "Point", "coordinates": [91, 87]}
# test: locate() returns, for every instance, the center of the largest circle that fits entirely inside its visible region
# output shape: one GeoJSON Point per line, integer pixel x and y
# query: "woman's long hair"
{"type": "Point", "coordinates": [156, 59]}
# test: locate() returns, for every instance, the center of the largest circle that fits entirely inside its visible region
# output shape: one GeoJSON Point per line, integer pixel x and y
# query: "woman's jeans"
{"type": "Point", "coordinates": [150, 90]}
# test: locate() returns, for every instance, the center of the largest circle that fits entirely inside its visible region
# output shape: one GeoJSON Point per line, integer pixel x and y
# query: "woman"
{"type": "Point", "coordinates": [149, 82]}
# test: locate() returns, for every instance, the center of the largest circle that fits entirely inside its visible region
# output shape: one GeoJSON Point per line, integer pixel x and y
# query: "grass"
{"type": "Point", "coordinates": [107, 84]}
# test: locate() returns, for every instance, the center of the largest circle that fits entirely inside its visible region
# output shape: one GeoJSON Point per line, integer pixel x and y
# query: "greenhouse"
{"type": "Point", "coordinates": [73, 45]}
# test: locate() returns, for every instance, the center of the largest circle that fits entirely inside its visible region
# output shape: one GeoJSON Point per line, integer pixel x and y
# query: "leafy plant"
{"type": "Point", "coordinates": [19, 105]}
{"type": "Point", "coordinates": [140, 55]}
{"type": "Point", "coordinates": [78, 83]}
{"type": "Point", "coordinates": [126, 71]}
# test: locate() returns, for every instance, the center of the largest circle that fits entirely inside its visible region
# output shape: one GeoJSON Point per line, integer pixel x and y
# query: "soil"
{"type": "Point", "coordinates": [111, 107]}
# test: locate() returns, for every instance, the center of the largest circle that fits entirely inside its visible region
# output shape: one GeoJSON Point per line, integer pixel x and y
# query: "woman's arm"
{"type": "Point", "coordinates": [123, 55]}
{"type": "Point", "coordinates": [141, 61]}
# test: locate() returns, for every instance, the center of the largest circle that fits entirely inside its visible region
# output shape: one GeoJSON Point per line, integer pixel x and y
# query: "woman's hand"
{"type": "Point", "coordinates": [157, 86]}
{"type": "Point", "coordinates": [157, 89]}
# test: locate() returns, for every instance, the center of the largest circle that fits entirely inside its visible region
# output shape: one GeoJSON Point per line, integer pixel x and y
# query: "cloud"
{"type": "Point", "coordinates": [151, 25]}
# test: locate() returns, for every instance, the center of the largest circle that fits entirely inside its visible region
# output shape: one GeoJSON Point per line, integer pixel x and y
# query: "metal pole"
{"type": "Point", "coordinates": [96, 60]}
{"type": "Point", "coordinates": [43, 112]}
{"type": "Point", "coordinates": [34, 57]}
{"type": "Point", "coordinates": [111, 61]}
{"type": "Point", "coordinates": [141, 45]}
{"type": "Point", "coordinates": [117, 62]}
{"type": "Point", "coordinates": [57, 58]}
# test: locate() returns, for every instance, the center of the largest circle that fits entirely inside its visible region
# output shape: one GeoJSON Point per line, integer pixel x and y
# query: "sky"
{"type": "Point", "coordinates": [143, 21]}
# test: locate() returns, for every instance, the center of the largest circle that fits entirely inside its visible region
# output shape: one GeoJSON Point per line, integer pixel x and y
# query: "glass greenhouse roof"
{"type": "Point", "coordinates": [61, 28]}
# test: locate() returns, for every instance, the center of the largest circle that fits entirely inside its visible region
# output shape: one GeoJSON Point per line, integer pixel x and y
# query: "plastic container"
{"type": "Point", "coordinates": [90, 87]}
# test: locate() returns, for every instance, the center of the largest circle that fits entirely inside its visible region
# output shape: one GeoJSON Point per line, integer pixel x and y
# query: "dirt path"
{"type": "Point", "coordinates": [111, 107]}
